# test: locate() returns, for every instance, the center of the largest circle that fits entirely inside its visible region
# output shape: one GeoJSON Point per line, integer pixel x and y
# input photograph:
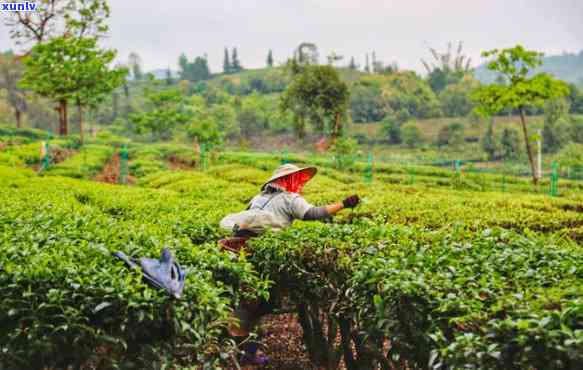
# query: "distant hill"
{"type": "Point", "coordinates": [567, 67]}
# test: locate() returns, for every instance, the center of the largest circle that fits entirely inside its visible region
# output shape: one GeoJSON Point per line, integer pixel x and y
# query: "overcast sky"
{"type": "Point", "coordinates": [398, 30]}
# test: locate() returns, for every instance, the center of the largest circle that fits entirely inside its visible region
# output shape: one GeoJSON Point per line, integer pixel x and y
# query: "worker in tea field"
{"type": "Point", "coordinates": [278, 204]}
{"type": "Point", "coordinates": [276, 207]}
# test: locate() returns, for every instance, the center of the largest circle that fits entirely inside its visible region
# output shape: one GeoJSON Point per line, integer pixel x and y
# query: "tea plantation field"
{"type": "Point", "coordinates": [424, 275]}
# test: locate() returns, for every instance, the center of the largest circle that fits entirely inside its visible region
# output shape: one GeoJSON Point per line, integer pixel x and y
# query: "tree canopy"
{"type": "Point", "coordinates": [318, 92]}
{"type": "Point", "coordinates": [66, 68]}
{"type": "Point", "coordinates": [522, 91]}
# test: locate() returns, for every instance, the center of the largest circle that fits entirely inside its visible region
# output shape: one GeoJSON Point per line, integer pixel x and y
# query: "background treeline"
{"type": "Point", "coordinates": [236, 105]}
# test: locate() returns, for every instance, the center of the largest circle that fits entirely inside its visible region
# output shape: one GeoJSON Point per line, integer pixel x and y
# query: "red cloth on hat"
{"type": "Point", "coordinates": [294, 183]}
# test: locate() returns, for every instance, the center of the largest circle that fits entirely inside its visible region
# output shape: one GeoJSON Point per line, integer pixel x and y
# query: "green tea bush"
{"type": "Point", "coordinates": [29, 133]}
{"type": "Point", "coordinates": [143, 167]}
{"type": "Point", "coordinates": [63, 290]}
{"type": "Point", "coordinates": [85, 164]}
{"type": "Point", "coordinates": [417, 276]}
{"type": "Point", "coordinates": [408, 297]}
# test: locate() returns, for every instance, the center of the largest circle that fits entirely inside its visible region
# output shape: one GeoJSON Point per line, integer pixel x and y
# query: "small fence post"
{"type": "Point", "coordinates": [368, 169]}
{"type": "Point", "coordinates": [554, 180]}
{"type": "Point", "coordinates": [458, 166]}
{"type": "Point", "coordinates": [203, 150]}
{"type": "Point", "coordinates": [123, 164]}
{"type": "Point", "coordinates": [411, 175]}
{"type": "Point", "coordinates": [46, 153]}
{"type": "Point", "coordinates": [284, 159]}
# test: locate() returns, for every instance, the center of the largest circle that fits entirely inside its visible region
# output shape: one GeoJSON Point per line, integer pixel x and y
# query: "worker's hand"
{"type": "Point", "coordinates": [351, 202]}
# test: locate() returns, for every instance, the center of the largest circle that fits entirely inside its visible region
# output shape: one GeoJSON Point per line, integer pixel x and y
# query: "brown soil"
{"type": "Point", "coordinates": [283, 344]}
{"type": "Point", "coordinates": [58, 155]}
{"type": "Point", "coordinates": [111, 172]}
{"type": "Point", "coordinates": [176, 163]}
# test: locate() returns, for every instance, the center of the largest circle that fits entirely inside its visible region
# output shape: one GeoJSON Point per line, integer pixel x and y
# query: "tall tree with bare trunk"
{"type": "Point", "coordinates": [521, 91]}
{"type": "Point", "coordinates": [74, 69]}
{"type": "Point", "coordinates": [58, 18]}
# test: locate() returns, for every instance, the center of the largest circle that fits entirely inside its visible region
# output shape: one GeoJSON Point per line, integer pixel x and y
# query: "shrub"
{"type": "Point", "coordinates": [344, 151]}
{"type": "Point", "coordinates": [411, 135]}
{"type": "Point", "coordinates": [66, 302]}
{"type": "Point", "coordinates": [85, 164]}
{"type": "Point", "coordinates": [452, 134]}
{"type": "Point", "coordinates": [577, 129]}
{"type": "Point", "coordinates": [510, 144]}
{"type": "Point", "coordinates": [391, 130]}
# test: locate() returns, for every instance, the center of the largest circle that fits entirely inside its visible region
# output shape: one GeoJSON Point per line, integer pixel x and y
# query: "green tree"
{"type": "Point", "coordinates": [447, 68]}
{"type": "Point", "coordinates": [344, 150]}
{"type": "Point", "coordinates": [489, 142]}
{"type": "Point", "coordinates": [317, 91]}
{"type": "Point", "coordinates": [392, 130]}
{"type": "Point", "coordinates": [411, 134]}
{"type": "Point", "coordinates": [367, 64]}
{"type": "Point", "coordinates": [200, 69]}
{"type": "Point", "coordinates": [86, 18]}
{"type": "Point", "coordinates": [227, 67]}
{"type": "Point", "coordinates": [452, 135]}
{"type": "Point", "coordinates": [367, 103]}
{"type": "Point", "coordinates": [270, 59]}
{"type": "Point", "coordinates": [352, 64]}
{"type": "Point", "coordinates": [249, 121]}
{"type": "Point", "coordinates": [571, 156]}
{"type": "Point", "coordinates": [226, 118]}
{"type": "Point", "coordinates": [164, 112]}
{"type": "Point", "coordinates": [510, 144]}
{"type": "Point", "coordinates": [182, 65]}
{"type": "Point", "coordinates": [554, 134]}
{"type": "Point", "coordinates": [205, 130]}
{"type": "Point", "coordinates": [235, 62]}
{"type": "Point", "coordinates": [70, 68]}
{"type": "Point", "coordinates": [306, 53]}
{"type": "Point", "coordinates": [521, 92]}
{"type": "Point", "coordinates": [575, 99]}
{"type": "Point", "coordinates": [196, 71]}
{"type": "Point", "coordinates": [456, 99]}
{"type": "Point", "coordinates": [169, 79]}
{"type": "Point", "coordinates": [564, 132]}
{"type": "Point", "coordinates": [11, 70]}
{"type": "Point", "coordinates": [94, 78]}
{"type": "Point", "coordinates": [577, 129]}
{"type": "Point", "coordinates": [408, 95]}
{"type": "Point", "coordinates": [135, 65]}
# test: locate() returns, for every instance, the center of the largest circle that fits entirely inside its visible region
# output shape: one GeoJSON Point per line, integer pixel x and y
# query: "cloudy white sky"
{"type": "Point", "coordinates": [398, 30]}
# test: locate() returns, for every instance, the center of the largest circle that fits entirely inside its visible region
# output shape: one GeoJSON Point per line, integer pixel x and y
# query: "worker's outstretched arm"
{"type": "Point", "coordinates": [319, 213]}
